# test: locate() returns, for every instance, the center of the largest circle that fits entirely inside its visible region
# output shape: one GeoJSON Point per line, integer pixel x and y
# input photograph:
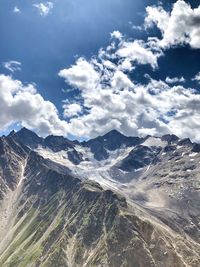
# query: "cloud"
{"type": "Point", "coordinates": [23, 104]}
{"type": "Point", "coordinates": [140, 52]}
{"type": "Point", "coordinates": [121, 81]}
{"type": "Point", "coordinates": [130, 53]}
{"type": "Point", "coordinates": [44, 8]}
{"type": "Point", "coordinates": [197, 77]}
{"type": "Point", "coordinates": [16, 10]}
{"type": "Point", "coordinates": [101, 82]}
{"type": "Point", "coordinates": [82, 75]}
{"type": "Point", "coordinates": [71, 110]}
{"type": "Point", "coordinates": [12, 65]}
{"type": "Point", "coordinates": [117, 35]}
{"type": "Point", "coordinates": [113, 100]}
{"type": "Point", "coordinates": [108, 97]}
{"type": "Point", "coordinates": [175, 80]}
{"type": "Point", "coordinates": [120, 56]}
{"type": "Point", "coordinates": [181, 26]}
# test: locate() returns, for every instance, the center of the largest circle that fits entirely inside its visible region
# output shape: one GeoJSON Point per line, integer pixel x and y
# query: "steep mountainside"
{"type": "Point", "coordinates": [112, 201]}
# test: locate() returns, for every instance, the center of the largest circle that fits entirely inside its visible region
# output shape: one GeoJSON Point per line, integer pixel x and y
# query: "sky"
{"type": "Point", "coordinates": [82, 68]}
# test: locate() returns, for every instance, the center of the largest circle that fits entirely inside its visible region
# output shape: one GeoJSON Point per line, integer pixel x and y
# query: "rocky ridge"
{"type": "Point", "coordinates": [111, 201]}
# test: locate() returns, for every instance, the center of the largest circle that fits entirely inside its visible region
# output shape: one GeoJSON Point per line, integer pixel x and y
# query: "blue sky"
{"type": "Point", "coordinates": [44, 45]}
{"type": "Point", "coordinates": [39, 39]}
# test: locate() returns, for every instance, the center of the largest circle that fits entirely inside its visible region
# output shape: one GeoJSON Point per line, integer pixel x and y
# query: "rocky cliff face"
{"type": "Point", "coordinates": [12, 161]}
{"type": "Point", "coordinates": [136, 205]}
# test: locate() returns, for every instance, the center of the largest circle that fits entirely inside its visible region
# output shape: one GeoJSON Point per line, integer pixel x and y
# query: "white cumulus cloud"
{"type": "Point", "coordinates": [23, 104]}
{"type": "Point", "coordinates": [117, 35]}
{"type": "Point", "coordinates": [71, 110]}
{"type": "Point", "coordinates": [181, 26]}
{"type": "Point", "coordinates": [82, 75]}
{"type": "Point", "coordinates": [140, 52]}
{"type": "Point", "coordinates": [112, 100]}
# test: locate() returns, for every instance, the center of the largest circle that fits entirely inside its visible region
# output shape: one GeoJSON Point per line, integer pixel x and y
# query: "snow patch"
{"type": "Point", "coordinates": [193, 154]}
{"type": "Point", "coordinates": [155, 141]}
{"type": "Point", "coordinates": [138, 170]}
{"type": "Point", "coordinates": [60, 157]}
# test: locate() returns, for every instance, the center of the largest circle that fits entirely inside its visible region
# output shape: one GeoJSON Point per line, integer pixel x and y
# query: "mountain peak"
{"type": "Point", "coordinates": [113, 132]}
{"type": "Point", "coordinates": [170, 138]}
{"type": "Point", "coordinates": [26, 130]}
{"type": "Point", "coordinates": [28, 137]}
{"type": "Point", "coordinates": [111, 200]}
{"type": "Point", "coordinates": [185, 142]}
{"type": "Point", "coordinates": [57, 143]}
{"type": "Point", "coordinates": [12, 133]}
{"type": "Point", "coordinates": [109, 142]}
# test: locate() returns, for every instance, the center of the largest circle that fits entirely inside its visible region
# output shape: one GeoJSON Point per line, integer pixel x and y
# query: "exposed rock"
{"type": "Point", "coordinates": [111, 141]}
{"type": "Point", "coordinates": [113, 202]}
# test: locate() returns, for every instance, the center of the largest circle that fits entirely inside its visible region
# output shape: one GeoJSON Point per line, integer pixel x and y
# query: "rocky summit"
{"type": "Point", "coordinates": [113, 201]}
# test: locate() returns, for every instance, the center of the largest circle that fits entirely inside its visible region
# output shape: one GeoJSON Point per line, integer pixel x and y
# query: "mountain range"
{"type": "Point", "coordinates": [112, 201]}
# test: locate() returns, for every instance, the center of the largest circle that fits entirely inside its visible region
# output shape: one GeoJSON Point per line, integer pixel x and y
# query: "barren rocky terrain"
{"type": "Point", "coordinates": [111, 201]}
